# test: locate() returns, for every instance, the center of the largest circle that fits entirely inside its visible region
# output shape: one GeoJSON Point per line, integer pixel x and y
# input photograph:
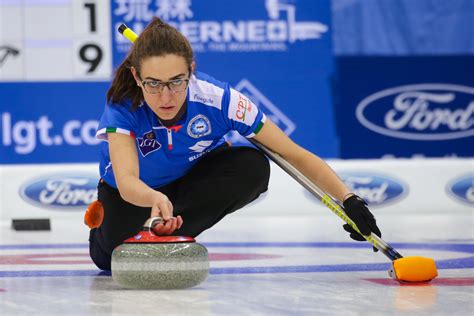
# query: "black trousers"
{"type": "Point", "coordinates": [223, 181]}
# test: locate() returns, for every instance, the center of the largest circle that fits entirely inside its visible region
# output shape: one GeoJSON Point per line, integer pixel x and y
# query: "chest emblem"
{"type": "Point", "coordinates": [199, 126]}
{"type": "Point", "coordinates": [148, 143]}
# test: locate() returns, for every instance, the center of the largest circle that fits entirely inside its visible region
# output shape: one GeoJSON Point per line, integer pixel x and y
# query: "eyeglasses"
{"type": "Point", "coordinates": [156, 87]}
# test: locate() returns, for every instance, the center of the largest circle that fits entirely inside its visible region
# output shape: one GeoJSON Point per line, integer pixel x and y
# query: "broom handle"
{"type": "Point", "coordinates": [327, 200]}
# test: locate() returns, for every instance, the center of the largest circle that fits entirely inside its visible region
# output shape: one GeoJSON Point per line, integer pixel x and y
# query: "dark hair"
{"type": "Point", "coordinates": [157, 39]}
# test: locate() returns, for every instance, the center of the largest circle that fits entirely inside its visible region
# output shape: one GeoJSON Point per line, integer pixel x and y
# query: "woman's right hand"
{"type": "Point", "coordinates": [163, 208]}
{"type": "Point", "coordinates": [168, 227]}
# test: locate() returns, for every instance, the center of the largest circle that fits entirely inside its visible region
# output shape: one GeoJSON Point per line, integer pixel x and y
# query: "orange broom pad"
{"type": "Point", "coordinates": [415, 269]}
{"type": "Point", "coordinates": [94, 215]}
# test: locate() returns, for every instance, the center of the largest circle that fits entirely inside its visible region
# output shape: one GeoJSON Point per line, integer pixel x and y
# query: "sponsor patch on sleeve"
{"type": "Point", "coordinates": [241, 109]}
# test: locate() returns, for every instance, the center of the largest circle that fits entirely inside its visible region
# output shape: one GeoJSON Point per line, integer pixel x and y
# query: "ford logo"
{"type": "Point", "coordinates": [462, 189]}
{"type": "Point", "coordinates": [376, 189]}
{"type": "Point", "coordinates": [428, 112]}
{"type": "Point", "coordinates": [61, 191]}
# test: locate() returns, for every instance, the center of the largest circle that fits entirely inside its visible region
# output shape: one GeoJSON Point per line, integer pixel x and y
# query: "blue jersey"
{"type": "Point", "coordinates": [167, 153]}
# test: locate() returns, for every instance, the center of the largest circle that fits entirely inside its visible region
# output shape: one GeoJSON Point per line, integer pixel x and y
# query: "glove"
{"type": "Point", "coordinates": [356, 208]}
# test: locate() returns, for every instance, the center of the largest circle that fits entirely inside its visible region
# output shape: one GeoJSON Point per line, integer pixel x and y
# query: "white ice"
{"type": "Point", "coordinates": [303, 264]}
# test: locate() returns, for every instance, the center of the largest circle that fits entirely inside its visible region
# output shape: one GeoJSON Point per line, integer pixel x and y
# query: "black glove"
{"type": "Point", "coordinates": [356, 208]}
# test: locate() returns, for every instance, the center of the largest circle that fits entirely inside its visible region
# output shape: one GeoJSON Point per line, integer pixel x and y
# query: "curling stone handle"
{"type": "Point", "coordinates": [151, 222]}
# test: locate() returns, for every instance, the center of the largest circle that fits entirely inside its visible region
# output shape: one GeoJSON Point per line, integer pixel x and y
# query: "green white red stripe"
{"type": "Point", "coordinates": [258, 128]}
{"type": "Point", "coordinates": [102, 133]}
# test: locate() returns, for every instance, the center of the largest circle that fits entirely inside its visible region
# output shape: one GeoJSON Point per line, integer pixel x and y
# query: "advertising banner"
{"type": "Point", "coordinates": [56, 191]}
{"type": "Point", "coordinates": [405, 106]}
{"type": "Point", "coordinates": [50, 122]}
{"type": "Point", "coordinates": [390, 186]}
{"type": "Point", "coordinates": [54, 78]}
{"type": "Point", "coordinates": [277, 52]}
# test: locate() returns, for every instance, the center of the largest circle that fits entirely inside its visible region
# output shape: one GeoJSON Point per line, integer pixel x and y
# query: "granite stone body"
{"type": "Point", "coordinates": [160, 265]}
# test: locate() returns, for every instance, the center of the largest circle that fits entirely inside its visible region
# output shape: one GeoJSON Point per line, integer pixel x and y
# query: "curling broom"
{"type": "Point", "coordinates": [408, 269]}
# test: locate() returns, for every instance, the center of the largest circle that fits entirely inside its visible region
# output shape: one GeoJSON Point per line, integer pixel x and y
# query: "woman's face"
{"type": "Point", "coordinates": [163, 80]}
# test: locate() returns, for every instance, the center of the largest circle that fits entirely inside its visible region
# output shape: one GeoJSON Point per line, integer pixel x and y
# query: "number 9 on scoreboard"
{"type": "Point", "coordinates": [92, 43]}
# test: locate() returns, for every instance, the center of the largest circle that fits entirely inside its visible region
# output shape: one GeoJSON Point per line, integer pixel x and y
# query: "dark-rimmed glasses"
{"type": "Point", "coordinates": [156, 87]}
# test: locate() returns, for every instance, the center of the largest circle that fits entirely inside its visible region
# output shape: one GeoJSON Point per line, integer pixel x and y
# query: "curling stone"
{"type": "Point", "coordinates": [148, 261]}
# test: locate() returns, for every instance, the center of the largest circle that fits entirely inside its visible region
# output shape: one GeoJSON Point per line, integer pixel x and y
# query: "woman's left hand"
{"type": "Point", "coordinates": [356, 208]}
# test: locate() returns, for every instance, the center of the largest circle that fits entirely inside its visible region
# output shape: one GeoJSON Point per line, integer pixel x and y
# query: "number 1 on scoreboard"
{"type": "Point", "coordinates": [92, 16]}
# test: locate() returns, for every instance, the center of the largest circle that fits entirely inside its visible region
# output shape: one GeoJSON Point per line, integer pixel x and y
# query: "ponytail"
{"type": "Point", "coordinates": [124, 86]}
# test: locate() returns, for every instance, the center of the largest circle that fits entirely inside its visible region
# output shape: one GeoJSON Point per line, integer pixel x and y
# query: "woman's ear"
{"type": "Point", "coordinates": [193, 67]}
{"type": "Point", "coordinates": [135, 75]}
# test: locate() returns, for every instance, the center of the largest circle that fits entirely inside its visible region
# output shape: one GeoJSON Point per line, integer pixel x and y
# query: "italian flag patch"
{"type": "Point", "coordinates": [107, 130]}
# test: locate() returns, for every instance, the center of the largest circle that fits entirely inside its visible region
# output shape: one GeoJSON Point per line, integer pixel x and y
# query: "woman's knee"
{"type": "Point", "coordinates": [254, 167]}
{"type": "Point", "coordinates": [101, 258]}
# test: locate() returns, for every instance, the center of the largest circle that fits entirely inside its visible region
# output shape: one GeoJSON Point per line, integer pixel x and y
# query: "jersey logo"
{"type": "Point", "coordinates": [199, 126]}
{"type": "Point", "coordinates": [201, 147]}
{"type": "Point", "coordinates": [208, 99]}
{"type": "Point", "coordinates": [243, 105]}
{"type": "Point", "coordinates": [148, 143]}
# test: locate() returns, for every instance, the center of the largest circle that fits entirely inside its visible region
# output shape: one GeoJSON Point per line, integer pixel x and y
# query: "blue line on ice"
{"type": "Point", "coordinates": [457, 263]}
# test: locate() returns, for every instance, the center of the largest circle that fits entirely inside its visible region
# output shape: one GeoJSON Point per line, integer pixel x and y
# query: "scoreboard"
{"type": "Point", "coordinates": [57, 58]}
{"type": "Point", "coordinates": [62, 40]}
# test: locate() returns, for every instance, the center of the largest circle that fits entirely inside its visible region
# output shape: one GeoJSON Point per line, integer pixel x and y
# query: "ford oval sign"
{"type": "Point", "coordinates": [61, 191]}
{"type": "Point", "coordinates": [462, 189]}
{"type": "Point", "coordinates": [376, 189]}
{"type": "Point", "coordinates": [427, 112]}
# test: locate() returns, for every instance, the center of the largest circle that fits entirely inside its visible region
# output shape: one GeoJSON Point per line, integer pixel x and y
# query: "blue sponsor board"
{"type": "Point", "coordinates": [462, 189]}
{"type": "Point", "coordinates": [61, 191]}
{"type": "Point", "coordinates": [375, 188]}
{"type": "Point", "coordinates": [50, 122]}
{"type": "Point", "coordinates": [276, 52]}
{"type": "Point", "coordinates": [405, 106]}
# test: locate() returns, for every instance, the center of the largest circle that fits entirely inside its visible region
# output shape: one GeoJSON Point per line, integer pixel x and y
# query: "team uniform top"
{"type": "Point", "coordinates": [167, 153]}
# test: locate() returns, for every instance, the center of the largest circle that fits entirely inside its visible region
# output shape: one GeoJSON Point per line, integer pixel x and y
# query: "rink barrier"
{"type": "Point", "coordinates": [422, 186]}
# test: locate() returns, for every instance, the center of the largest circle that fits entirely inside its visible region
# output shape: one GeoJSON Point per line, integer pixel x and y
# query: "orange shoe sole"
{"type": "Point", "coordinates": [94, 215]}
